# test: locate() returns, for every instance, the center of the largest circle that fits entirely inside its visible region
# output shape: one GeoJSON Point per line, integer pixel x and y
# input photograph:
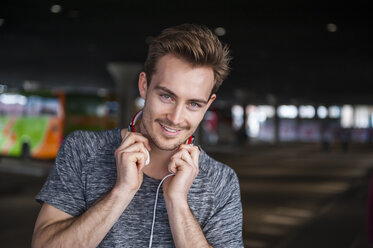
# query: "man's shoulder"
{"type": "Point", "coordinates": [214, 168]}
{"type": "Point", "coordinates": [93, 140]}
{"type": "Point", "coordinates": [88, 134]}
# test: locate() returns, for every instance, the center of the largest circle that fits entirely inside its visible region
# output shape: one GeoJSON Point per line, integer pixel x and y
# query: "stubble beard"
{"type": "Point", "coordinates": [156, 141]}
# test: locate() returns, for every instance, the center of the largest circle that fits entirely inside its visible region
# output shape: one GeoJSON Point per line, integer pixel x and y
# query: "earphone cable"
{"type": "Point", "coordinates": [155, 209]}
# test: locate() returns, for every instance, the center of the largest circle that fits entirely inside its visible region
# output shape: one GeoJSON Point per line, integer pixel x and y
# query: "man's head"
{"type": "Point", "coordinates": [194, 44]}
{"type": "Point", "coordinates": [185, 67]}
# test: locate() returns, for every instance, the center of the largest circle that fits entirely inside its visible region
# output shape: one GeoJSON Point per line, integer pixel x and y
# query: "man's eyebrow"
{"type": "Point", "coordinates": [166, 90]}
{"type": "Point", "coordinates": [201, 101]}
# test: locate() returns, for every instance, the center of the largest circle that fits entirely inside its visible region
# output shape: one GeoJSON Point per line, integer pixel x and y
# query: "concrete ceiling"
{"type": "Point", "coordinates": [280, 48]}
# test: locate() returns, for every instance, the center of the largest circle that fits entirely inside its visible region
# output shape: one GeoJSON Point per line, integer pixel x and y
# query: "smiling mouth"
{"type": "Point", "coordinates": [169, 130]}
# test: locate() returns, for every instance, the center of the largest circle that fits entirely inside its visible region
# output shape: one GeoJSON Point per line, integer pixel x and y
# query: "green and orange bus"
{"type": "Point", "coordinates": [33, 124]}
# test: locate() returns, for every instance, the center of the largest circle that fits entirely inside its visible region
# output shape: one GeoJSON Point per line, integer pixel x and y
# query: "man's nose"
{"type": "Point", "coordinates": [176, 116]}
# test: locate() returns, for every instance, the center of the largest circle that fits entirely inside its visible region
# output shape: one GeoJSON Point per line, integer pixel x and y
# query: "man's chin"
{"type": "Point", "coordinates": [167, 145]}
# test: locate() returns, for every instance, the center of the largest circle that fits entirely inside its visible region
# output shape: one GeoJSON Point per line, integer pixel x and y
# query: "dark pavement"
{"type": "Point", "coordinates": [18, 210]}
{"type": "Point", "coordinates": [294, 195]}
{"type": "Point", "coordinates": [297, 196]}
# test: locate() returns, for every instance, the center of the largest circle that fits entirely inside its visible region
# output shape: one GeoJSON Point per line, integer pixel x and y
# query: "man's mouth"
{"type": "Point", "coordinates": [169, 130]}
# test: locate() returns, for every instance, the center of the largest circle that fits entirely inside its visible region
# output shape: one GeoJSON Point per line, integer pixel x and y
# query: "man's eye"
{"type": "Point", "coordinates": [166, 97]}
{"type": "Point", "coordinates": [195, 105]}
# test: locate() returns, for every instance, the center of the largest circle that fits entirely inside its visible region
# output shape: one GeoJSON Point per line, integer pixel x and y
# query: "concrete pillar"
{"type": "Point", "coordinates": [125, 76]}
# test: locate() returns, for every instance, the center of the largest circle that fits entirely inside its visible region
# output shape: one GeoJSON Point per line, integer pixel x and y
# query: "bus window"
{"type": "Point", "coordinates": [33, 106]}
{"type": "Point", "coordinates": [12, 104]}
{"type": "Point", "coordinates": [50, 107]}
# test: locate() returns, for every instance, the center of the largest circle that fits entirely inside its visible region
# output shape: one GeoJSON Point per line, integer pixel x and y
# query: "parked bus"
{"type": "Point", "coordinates": [33, 124]}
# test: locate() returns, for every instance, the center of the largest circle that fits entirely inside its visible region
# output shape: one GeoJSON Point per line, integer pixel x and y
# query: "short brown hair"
{"type": "Point", "coordinates": [195, 44]}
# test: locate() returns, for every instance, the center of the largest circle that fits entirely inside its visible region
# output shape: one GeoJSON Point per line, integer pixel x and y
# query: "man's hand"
{"type": "Point", "coordinates": [185, 229]}
{"type": "Point", "coordinates": [130, 158]}
{"type": "Point", "coordinates": [184, 164]}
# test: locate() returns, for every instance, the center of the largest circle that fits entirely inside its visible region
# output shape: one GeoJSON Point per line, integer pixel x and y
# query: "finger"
{"type": "Point", "coordinates": [135, 138]}
{"type": "Point", "coordinates": [135, 147]}
{"type": "Point", "coordinates": [185, 155]}
{"type": "Point", "coordinates": [193, 151]}
{"type": "Point", "coordinates": [178, 164]}
{"type": "Point", "coordinates": [131, 138]}
{"type": "Point", "coordinates": [138, 158]}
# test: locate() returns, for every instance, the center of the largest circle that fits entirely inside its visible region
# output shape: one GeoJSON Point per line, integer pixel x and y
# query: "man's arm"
{"type": "Point", "coordinates": [55, 228]}
{"type": "Point", "coordinates": [185, 229]}
{"type": "Point", "coordinates": [224, 225]}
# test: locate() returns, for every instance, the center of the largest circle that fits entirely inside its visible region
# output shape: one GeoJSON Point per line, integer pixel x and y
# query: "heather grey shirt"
{"type": "Point", "coordinates": [85, 169]}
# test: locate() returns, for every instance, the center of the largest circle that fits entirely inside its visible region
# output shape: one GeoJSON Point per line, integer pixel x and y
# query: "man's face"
{"type": "Point", "coordinates": [175, 102]}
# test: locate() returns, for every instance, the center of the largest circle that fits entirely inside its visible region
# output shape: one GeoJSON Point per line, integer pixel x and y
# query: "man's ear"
{"type": "Point", "coordinates": [212, 98]}
{"type": "Point", "coordinates": [143, 85]}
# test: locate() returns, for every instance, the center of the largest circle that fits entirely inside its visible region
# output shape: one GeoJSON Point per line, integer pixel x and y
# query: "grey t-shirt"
{"type": "Point", "coordinates": [85, 169]}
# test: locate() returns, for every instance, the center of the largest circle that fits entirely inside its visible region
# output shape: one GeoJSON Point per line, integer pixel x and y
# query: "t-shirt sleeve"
{"type": "Point", "coordinates": [64, 188]}
{"type": "Point", "coordinates": [224, 227]}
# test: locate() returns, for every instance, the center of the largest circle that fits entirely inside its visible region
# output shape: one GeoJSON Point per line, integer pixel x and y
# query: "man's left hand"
{"type": "Point", "coordinates": [184, 164]}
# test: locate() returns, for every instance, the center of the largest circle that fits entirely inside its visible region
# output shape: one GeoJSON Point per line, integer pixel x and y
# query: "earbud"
{"type": "Point", "coordinates": [148, 157]}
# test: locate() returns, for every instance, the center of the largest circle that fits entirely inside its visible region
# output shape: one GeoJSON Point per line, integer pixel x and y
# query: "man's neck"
{"type": "Point", "coordinates": [159, 159]}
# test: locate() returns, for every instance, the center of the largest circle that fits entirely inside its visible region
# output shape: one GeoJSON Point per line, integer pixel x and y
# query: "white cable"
{"type": "Point", "coordinates": [155, 208]}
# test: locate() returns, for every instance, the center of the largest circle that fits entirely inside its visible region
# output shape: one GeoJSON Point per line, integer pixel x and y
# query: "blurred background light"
{"type": "Point", "coordinates": [287, 111]}
{"type": "Point", "coordinates": [210, 127]}
{"type": "Point", "coordinates": [220, 31]}
{"type": "Point", "coordinates": [331, 27]}
{"type": "Point", "coordinates": [253, 123]}
{"type": "Point", "coordinates": [256, 117]}
{"type": "Point", "coordinates": [334, 112]}
{"type": "Point", "coordinates": [2, 22]}
{"type": "Point", "coordinates": [31, 85]}
{"type": "Point", "coordinates": [56, 8]}
{"type": "Point", "coordinates": [237, 117]}
{"type": "Point", "coordinates": [347, 116]}
{"type": "Point", "coordinates": [267, 110]}
{"type": "Point", "coordinates": [102, 92]}
{"type": "Point", "coordinates": [13, 99]}
{"type": "Point", "coordinates": [306, 111]}
{"type": "Point", "coordinates": [361, 117]}
{"type": "Point", "coordinates": [322, 112]}
{"type": "Point", "coordinates": [101, 110]}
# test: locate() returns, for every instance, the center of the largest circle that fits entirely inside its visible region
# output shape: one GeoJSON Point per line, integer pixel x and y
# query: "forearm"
{"type": "Point", "coordinates": [87, 230]}
{"type": "Point", "coordinates": [185, 229]}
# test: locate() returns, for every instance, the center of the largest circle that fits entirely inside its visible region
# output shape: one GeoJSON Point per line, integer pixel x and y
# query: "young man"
{"type": "Point", "coordinates": [100, 191]}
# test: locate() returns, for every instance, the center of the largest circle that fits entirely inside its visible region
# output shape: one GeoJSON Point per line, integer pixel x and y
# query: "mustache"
{"type": "Point", "coordinates": [168, 123]}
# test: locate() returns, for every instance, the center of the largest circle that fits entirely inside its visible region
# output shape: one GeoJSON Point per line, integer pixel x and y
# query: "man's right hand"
{"type": "Point", "coordinates": [130, 159]}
